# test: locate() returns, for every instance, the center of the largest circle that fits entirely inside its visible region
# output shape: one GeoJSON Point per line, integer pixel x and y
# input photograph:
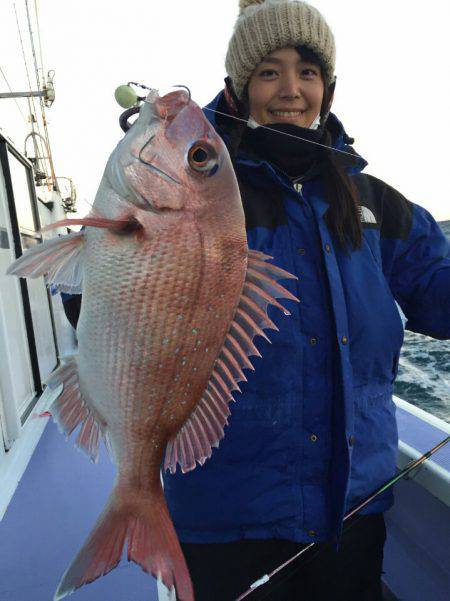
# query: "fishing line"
{"type": "Point", "coordinates": [336, 150]}
{"type": "Point", "coordinates": [353, 155]}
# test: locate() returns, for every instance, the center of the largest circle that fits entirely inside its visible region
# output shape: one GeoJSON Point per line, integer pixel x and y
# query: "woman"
{"type": "Point", "coordinates": [314, 431]}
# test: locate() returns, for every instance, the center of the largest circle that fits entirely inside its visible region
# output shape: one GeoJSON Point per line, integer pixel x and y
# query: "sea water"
{"type": "Point", "coordinates": [424, 372]}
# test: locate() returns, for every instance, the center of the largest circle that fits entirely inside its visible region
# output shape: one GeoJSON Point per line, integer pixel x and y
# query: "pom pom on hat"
{"type": "Point", "coordinates": [264, 26]}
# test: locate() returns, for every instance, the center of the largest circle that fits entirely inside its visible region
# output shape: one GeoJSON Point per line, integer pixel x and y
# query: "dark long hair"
{"type": "Point", "coordinates": [343, 216]}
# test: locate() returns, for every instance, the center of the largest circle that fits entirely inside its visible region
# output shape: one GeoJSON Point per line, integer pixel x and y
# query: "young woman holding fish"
{"type": "Point", "coordinates": [314, 430]}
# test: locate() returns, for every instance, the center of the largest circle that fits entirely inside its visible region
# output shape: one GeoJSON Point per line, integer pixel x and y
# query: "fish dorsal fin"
{"type": "Point", "coordinates": [205, 426]}
{"type": "Point", "coordinates": [60, 259]}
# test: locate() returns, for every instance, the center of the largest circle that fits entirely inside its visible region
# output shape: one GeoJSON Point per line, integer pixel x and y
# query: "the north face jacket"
{"type": "Point", "coordinates": [314, 429]}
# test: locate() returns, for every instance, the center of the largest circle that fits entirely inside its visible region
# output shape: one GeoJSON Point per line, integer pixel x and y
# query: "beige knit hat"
{"type": "Point", "coordinates": [264, 26]}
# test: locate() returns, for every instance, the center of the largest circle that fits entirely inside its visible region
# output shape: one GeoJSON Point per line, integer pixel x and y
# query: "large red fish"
{"type": "Point", "coordinates": [172, 300]}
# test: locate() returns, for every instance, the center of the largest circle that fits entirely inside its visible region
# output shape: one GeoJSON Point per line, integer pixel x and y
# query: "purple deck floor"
{"type": "Point", "coordinates": [57, 502]}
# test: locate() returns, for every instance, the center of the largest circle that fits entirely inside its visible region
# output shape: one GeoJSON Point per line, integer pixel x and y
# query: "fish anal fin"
{"type": "Point", "coordinates": [205, 426]}
{"type": "Point", "coordinates": [71, 410]}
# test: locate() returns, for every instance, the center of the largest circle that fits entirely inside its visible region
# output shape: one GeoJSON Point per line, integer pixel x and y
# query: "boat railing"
{"type": "Point", "coordinates": [419, 430]}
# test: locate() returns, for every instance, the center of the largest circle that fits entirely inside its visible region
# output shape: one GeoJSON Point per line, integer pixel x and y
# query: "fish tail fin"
{"type": "Point", "coordinates": [145, 524]}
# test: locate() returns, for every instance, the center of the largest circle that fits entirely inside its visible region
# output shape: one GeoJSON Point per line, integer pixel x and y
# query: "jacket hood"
{"type": "Point", "coordinates": [221, 122]}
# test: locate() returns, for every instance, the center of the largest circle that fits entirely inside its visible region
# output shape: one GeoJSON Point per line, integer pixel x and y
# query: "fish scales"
{"type": "Point", "coordinates": [158, 330]}
{"type": "Point", "coordinates": [164, 330]}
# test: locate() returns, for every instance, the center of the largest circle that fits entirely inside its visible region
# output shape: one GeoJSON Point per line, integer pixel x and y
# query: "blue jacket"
{"type": "Point", "coordinates": [314, 430]}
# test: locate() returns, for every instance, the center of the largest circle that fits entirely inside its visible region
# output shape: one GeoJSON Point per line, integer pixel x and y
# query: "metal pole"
{"type": "Point", "coordinates": [22, 94]}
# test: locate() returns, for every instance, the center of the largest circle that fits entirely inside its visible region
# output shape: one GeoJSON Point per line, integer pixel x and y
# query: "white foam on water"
{"type": "Point", "coordinates": [424, 374]}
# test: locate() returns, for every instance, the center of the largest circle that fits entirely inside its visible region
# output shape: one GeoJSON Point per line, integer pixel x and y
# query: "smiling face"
{"type": "Point", "coordinates": [285, 89]}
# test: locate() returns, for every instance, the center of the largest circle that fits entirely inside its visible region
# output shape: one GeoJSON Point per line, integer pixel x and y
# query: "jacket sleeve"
{"type": "Point", "coordinates": [416, 262]}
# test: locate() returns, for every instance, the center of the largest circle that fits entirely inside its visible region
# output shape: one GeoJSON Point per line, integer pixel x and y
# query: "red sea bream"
{"type": "Point", "coordinates": [172, 300]}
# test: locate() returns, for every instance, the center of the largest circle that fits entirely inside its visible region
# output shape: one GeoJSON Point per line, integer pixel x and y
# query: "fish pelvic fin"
{"type": "Point", "coordinates": [71, 410]}
{"type": "Point", "coordinates": [205, 427]}
{"type": "Point", "coordinates": [60, 259]}
{"type": "Point", "coordinates": [144, 523]}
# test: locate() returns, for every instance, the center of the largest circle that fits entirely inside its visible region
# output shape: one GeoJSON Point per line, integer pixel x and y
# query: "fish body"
{"type": "Point", "coordinates": [172, 299]}
{"type": "Point", "coordinates": [152, 324]}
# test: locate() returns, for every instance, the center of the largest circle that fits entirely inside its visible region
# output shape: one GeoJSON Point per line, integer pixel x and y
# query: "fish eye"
{"type": "Point", "coordinates": [203, 159]}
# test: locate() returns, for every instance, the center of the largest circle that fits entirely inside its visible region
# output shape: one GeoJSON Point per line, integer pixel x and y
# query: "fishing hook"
{"type": "Point", "coordinates": [188, 91]}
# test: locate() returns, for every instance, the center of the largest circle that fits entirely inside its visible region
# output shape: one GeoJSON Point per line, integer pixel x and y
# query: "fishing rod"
{"type": "Point", "coordinates": [404, 472]}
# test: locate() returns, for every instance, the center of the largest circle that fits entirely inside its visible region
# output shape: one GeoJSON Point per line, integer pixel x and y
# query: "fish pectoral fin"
{"type": "Point", "coordinates": [60, 259]}
{"type": "Point", "coordinates": [145, 524]}
{"type": "Point", "coordinates": [70, 410]}
{"type": "Point", "coordinates": [205, 426]}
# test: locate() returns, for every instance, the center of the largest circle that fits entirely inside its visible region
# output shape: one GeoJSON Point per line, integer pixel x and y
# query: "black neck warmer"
{"type": "Point", "coordinates": [298, 158]}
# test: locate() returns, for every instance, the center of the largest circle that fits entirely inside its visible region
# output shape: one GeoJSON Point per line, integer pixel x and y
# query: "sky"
{"type": "Point", "coordinates": [392, 94]}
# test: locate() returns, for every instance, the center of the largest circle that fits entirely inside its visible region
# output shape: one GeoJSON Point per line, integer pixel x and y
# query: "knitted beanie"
{"type": "Point", "coordinates": [264, 26]}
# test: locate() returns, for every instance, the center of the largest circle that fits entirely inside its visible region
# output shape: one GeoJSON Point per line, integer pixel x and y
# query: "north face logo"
{"type": "Point", "coordinates": [366, 215]}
